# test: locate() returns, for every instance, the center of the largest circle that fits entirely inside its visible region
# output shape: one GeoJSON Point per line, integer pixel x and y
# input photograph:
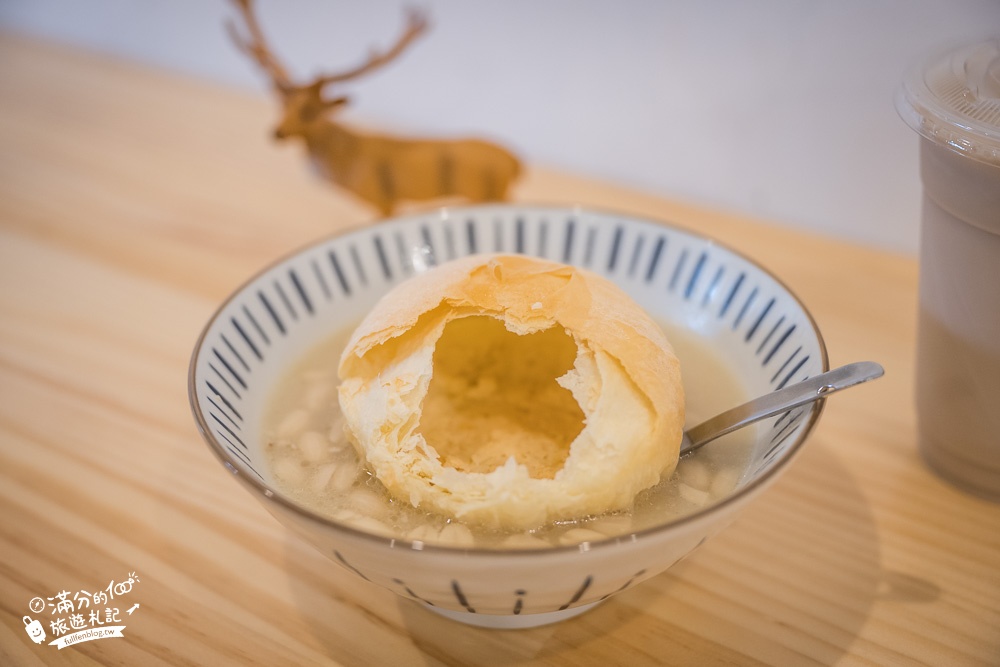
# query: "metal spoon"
{"type": "Point", "coordinates": [768, 405]}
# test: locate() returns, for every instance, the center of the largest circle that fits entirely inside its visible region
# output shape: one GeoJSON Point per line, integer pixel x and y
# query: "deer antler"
{"type": "Point", "coordinates": [256, 47]}
{"type": "Point", "coordinates": [416, 24]}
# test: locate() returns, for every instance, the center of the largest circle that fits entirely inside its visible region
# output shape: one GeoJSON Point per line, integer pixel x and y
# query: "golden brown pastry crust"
{"type": "Point", "coordinates": [627, 380]}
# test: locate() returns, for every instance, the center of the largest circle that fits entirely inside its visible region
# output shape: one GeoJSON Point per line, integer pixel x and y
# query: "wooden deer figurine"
{"type": "Point", "coordinates": [380, 169]}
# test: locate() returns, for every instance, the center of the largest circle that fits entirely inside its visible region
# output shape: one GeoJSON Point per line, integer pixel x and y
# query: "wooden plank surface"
{"type": "Point", "coordinates": [132, 201]}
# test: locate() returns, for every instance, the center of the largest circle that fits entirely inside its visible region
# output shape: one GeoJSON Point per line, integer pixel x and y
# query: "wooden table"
{"type": "Point", "coordinates": [132, 201]}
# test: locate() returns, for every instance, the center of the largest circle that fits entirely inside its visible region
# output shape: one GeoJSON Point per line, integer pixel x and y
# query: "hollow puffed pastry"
{"type": "Point", "coordinates": [511, 391]}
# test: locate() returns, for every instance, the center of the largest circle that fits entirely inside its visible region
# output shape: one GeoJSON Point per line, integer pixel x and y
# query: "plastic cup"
{"type": "Point", "coordinates": [953, 101]}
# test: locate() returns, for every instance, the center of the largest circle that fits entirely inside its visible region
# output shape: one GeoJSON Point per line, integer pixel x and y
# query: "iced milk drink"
{"type": "Point", "coordinates": [953, 102]}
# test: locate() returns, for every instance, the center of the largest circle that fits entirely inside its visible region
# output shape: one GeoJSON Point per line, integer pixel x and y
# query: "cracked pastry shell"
{"type": "Point", "coordinates": [624, 379]}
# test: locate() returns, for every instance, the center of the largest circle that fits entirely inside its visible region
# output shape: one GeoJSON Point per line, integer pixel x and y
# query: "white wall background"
{"type": "Point", "coordinates": [782, 109]}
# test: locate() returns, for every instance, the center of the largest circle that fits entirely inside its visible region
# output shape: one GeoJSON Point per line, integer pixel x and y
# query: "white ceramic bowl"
{"type": "Point", "coordinates": [760, 330]}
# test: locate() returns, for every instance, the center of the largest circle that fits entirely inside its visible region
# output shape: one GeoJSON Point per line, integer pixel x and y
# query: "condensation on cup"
{"type": "Point", "coordinates": [953, 101]}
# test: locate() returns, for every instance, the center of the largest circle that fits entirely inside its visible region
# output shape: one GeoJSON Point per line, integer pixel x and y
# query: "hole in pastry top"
{"type": "Point", "coordinates": [494, 394]}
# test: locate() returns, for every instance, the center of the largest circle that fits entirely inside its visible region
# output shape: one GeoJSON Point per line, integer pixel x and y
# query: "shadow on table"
{"type": "Point", "coordinates": [805, 594]}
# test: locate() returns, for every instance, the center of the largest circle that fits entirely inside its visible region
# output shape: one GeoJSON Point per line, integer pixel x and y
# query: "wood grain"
{"type": "Point", "coordinates": [132, 201]}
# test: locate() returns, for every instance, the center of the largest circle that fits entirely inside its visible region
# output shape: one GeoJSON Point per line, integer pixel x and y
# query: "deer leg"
{"type": "Point", "coordinates": [491, 191]}
{"type": "Point", "coordinates": [446, 172]}
{"type": "Point", "coordinates": [386, 187]}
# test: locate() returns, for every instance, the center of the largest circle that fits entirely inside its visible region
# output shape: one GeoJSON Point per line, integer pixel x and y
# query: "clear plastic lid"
{"type": "Point", "coordinates": [954, 100]}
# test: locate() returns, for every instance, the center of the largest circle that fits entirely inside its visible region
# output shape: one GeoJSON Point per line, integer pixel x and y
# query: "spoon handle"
{"type": "Point", "coordinates": [768, 405]}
